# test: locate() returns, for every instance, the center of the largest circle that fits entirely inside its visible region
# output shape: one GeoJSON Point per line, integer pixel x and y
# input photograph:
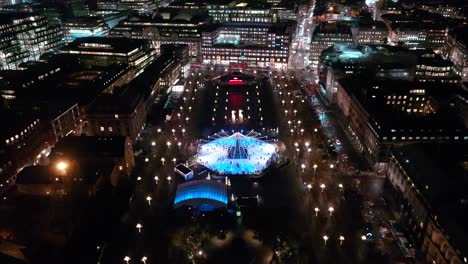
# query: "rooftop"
{"type": "Point", "coordinates": [90, 147]}
{"type": "Point", "coordinates": [371, 95]}
{"type": "Point", "coordinates": [105, 44]}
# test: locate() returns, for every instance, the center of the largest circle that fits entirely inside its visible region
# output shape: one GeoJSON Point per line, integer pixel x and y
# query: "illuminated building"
{"type": "Point", "coordinates": [258, 45]}
{"type": "Point", "coordinates": [123, 112]}
{"type": "Point", "coordinates": [380, 62]}
{"type": "Point", "coordinates": [201, 192]}
{"type": "Point", "coordinates": [431, 68]}
{"type": "Point", "coordinates": [428, 189]}
{"type": "Point", "coordinates": [115, 5]}
{"type": "Point", "coordinates": [107, 51]}
{"type": "Point", "coordinates": [242, 12]}
{"type": "Point", "coordinates": [374, 33]}
{"type": "Point", "coordinates": [141, 6]}
{"type": "Point", "coordinates": [418, 35]}
{"type": "Point", "coordinates": [457, 51]}
{"type": "Point", "coordinates": [381, 114]}
{"type": "Point", "coordinates": [25, 37]}
{"type": "Point", "coordinates": [326, 35]}
{"type": "Point", "coordinates": [20, 143]}
{"type": "Point", "coordinates": [80, 27]}
{"type": "Point", "coordinates": [164, 29]}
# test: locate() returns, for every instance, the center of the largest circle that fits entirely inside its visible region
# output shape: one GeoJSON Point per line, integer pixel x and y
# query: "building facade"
{"type": "Point", "coordinates": [80, 27]}
{"type": "Point", "coordinates": [25, 37]}
{"type": "Point", "coordinates": [261, 45]}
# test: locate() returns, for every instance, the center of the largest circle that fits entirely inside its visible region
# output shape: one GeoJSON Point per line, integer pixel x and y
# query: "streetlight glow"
{"type": "Point", "coordinates": [62, 166]}
{"type": "Point", "coordinates": [325, 238]}
{"type": "Point", "coordinates": [322, 186]}
{"type": "Point", "coordinates": [139, 226]}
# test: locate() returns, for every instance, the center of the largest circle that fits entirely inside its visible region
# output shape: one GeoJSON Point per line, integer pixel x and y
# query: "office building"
{"type": "Point", "coordinates": [168, 28]}
{"type": "Point", "coordinates": [260, 45]}
{"type": "Point", "coordinates": [140, 6]}
{"type": "Point", "coordinates": [25, 37]}
{"type": "Point", "coordinates": [326, 35]}
{"type": "Point", "coordinates": [107, 51]}
{"type": "Point", "coordinates": [237, 11]}
{"type": "Point", "coordinates": [79, 27]}
{"type": "Point", "coordinates": [372, 33]}
{"type": "Point", "coordinates": [380, 114]}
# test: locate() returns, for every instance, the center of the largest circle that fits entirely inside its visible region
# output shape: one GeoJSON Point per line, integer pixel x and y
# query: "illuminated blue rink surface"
{"type": "Point", "coordinates": [201, 192]}
{"type": "Point", "coordinates": [214, 155]}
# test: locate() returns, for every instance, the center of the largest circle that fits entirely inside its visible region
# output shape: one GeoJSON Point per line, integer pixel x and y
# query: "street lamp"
{"type": "Point", "coordinates": [341, 238]}
{"type": "Point", "coordinates": [139, 226]}
{"type": "Point", "coordinates": [173, 132]}
{"type": "Point", "coordinates": [325, 238]}
{"type": "Point", "coordinates": [315, 167]}
{"type": "Point", "coordinates": [179, 144]}
{"type": "Point", "coordinates": [163, 160]}
{"type": "Point", "coordinates": [144, 259]}
{"type": "Point", "coordinates": [153, 143]}
{"type": "Point", "coordinates": [309, 186]}
{"type": "Point", "coordinates": [331, 210]}
{"type": "Point", "coordinates": [200, 252]}
{"type": "Point", "coordinates": [156, 179]}
{"type": "Point", "coordinates": [316, 209]}
{"type": "Point", "coordinates": [127, 259]}
{"type": "Point", "coordinates": [303, 167]}
{"type": "Point", "coordinates": [62, 166]}
{"type": "Point", "coordinates": [302, 131]}
{"type": "Point", "coordinates": [174, 160]}
{"type": "Point", "coordinates": [286, 112]}
{"type": "Point", "coordinates": [322, 186]}
{"type": "Point", "coordinates": [146, 159]}
{"type": "Point", "coordinates": [169, 178]}
{"type": "Point", "coordinates": [307, 144]}
{"type": "Point", "coordinates": [340, 186]}
{"type": "Point", "coordinates": [168, 144]}
{"type": "Point", "coordinates": [148, 198]}
{"type": "Point", "coordinates": [364, 238]}
{"type": "Point", "coordinates": [183, 131]}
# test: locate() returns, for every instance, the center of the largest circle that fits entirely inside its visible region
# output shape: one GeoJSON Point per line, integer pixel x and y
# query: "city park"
{"type": "Point", "coordinates": [243, 186]}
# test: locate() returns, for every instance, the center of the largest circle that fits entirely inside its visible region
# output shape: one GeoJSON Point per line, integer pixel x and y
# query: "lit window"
{"type": "Point", "coordinates": [110, 129]}
{"type": "Point", "coordinates": [116, 116]}
{"type": "Point", "coordinates": [102, 128]}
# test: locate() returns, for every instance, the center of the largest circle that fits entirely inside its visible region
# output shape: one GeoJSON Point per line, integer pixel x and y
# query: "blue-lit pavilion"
{"type": "Point", "coordinates": [201, 193]}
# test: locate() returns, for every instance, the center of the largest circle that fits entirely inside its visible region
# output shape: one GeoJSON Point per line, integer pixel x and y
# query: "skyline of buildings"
{"type": "Point", "coordinates": [116, 107]}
